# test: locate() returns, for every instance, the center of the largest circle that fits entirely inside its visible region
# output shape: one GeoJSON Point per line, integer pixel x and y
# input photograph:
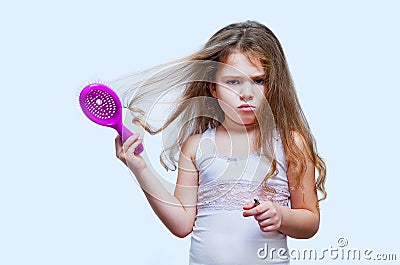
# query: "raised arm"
{"type": "Point", "coordinates": [177, 211]}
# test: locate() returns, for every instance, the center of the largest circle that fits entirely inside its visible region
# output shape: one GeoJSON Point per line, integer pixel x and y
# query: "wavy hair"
{"type": "Point", "coordinates": [195, 110]}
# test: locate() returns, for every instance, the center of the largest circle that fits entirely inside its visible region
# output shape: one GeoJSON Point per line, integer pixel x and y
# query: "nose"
{"type": "Point", "coordinates": [246, 92]}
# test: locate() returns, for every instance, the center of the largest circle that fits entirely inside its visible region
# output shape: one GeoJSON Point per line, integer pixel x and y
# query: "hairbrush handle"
{"type": "Point", "coordinates": [125, 134]}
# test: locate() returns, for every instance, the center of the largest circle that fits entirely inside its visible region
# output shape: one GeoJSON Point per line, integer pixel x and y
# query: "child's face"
{"type": "Point", "coordinates": [239, 88]}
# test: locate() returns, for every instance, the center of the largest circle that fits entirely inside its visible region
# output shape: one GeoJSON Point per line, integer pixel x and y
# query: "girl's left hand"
{"type": "Point", "coordinates": [267, 214]}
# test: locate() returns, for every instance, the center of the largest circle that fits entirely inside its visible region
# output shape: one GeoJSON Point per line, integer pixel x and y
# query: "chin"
{"type": "Point", "coordinates": [247, 122]}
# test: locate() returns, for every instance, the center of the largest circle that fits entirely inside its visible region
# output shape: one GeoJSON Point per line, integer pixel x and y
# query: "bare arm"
{"type": "Point", "coordinates": [299, 221]}
{"type": "Point", "coordinates": [302, 220]}
{"type": "Point", "coordinates": [176, 211]}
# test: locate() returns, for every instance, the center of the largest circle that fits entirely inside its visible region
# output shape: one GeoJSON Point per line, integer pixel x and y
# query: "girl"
{"type": "Point", "coordinates": [245, 151]}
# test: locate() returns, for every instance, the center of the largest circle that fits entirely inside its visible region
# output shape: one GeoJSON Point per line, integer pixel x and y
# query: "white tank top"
{"type": "Point", "coordinates": [221, 235]}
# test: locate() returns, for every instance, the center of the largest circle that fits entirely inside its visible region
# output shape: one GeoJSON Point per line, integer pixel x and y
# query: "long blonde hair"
{"type": "Point", "coordinates": [196, 110]}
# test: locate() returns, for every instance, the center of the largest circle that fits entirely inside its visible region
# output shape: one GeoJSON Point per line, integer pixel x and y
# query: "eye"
{"type": "Point", "coordinates": [232, 82]}
{"type": "Point", "coordinates": [259, 81]}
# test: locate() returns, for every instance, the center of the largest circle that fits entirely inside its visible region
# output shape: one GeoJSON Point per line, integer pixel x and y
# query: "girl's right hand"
{"type": "Point", "coordinates": [125, 153]}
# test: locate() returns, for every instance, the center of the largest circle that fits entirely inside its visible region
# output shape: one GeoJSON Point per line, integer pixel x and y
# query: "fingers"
{"type": "Point", "coordinates": [270, 227]}
{"type": "Point", "coordinates": [118, 145]}
{"type": "Point", "coordinates": [128, 147]}
{"type": "Point", "coordinates": [269, 222]}
{"type": "Point", "coordinates": [252, 210]}
{"type": "Point", "coordinates": [248, 206]}
{"type": "Point", "coordinates": [119, 153]}
{"type": "Point", "coordinates": [266, 214]}
{"type": "Point", "coordinates": [131, 147]}
{"type": "Point", "coordinates": [130, 141]}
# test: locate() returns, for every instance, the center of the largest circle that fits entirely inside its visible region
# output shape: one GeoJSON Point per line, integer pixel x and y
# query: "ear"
{"type": "Point", "coordinates": [213, 91]}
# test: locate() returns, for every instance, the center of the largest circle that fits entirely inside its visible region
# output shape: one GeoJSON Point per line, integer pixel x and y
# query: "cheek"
{"type": "Point", "coordinates": [260, 90]}
{"type": "Point", "coordinates": [227, 99]}
{"type": "Point", "coordinates": [225, 93]}
{"type": "Point", "coordinates": [260, 95]}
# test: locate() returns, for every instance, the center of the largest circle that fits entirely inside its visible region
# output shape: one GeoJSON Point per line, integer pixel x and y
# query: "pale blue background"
{"type": "Point", "coordinates": [66, 199]}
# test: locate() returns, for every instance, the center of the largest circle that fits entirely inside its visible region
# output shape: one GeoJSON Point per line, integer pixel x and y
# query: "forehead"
{"type": "Point", "coordinates": [241, 64]}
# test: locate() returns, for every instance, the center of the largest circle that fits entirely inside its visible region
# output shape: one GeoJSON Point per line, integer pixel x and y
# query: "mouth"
{"type": "Point", "coordinates": [246, 107]}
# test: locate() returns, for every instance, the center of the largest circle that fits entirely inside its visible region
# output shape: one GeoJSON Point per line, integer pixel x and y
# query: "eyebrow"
{"type": "Point", "coordinates": [241, 76]}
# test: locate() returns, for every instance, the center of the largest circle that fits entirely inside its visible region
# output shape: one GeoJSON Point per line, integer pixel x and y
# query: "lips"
{"type": "Point", "coordinates": [246, 107]}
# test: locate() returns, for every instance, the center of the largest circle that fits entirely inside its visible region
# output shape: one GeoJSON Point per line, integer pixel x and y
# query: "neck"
{"type": "Point", "coordinates": [235, 128]}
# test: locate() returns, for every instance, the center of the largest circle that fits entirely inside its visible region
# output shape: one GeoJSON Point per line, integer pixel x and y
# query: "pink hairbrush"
{"type": "Point", "coordinates": [102, 106]}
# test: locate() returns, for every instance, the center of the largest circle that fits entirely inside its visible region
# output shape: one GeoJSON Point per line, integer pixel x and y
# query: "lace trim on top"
{"type": "Point", "coordinates": [233, 195]}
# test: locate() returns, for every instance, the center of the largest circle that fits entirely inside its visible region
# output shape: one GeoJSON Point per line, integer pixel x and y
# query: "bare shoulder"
{"type": "Point", "coordinates": [298, 138]}
{"type": "Point", "coordinates": [190, 145]}
{"type": "Point", "coordinates": [187, 156]}
{"type": "Point", "coordinates": [301, 142]}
